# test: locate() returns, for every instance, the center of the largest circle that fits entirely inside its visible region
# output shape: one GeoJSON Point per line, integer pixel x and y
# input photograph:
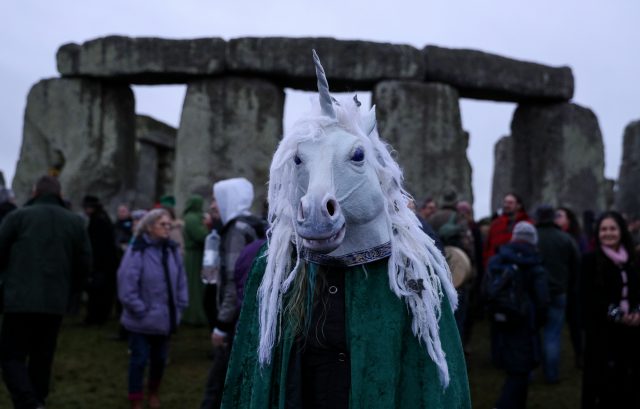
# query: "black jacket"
{"type": "Point", "coordinates": [103, 245]}
{"type": "Point", "coordinates": [560, 256]}
{"type": "Point", "coordinates": [44, 255]}
{"type": "Point", "coordinates": [612, 350]}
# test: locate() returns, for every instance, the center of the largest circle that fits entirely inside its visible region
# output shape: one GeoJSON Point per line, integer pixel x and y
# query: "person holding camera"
{"type": "Point", "coordinates": [611, 318]}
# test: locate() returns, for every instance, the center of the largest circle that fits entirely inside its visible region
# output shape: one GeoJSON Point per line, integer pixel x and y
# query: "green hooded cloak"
{"type": "Point", "coordinates": [195, 234]}
{"type": "Point", "coordinates": [389, 366]}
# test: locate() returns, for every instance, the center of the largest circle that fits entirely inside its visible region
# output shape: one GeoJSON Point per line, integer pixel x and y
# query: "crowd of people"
{"type": "Point", "coordinates": [149, 266]}
{"type": "Point", "coordinates": [527, 276]}
{"type": "Point", "coordinates": [531, 275]}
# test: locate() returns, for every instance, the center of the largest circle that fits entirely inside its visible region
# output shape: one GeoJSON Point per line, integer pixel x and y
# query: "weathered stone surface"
{"type": "Point", "coordinates": [628, 195]}
{"type": "Point", "coordinates": [349, 65]}
{"type": "Point", "coordinates": [82, 130]}
{"type": "Point", "coordinates": [229, 128]}
{"type": "Point", "coordinates": [481, 75]}
{"type": "Point", "coordinates": [558, 156]}
{"type": "Point", "coordinates": [502, 170]}
{"type": "Point", "coordinates": [155, 132]}
{"type": "Point", "coordinates": [143, 60]}
{"type": "Point", "coordinates": [156, 155]}
{"type": "Point", "coordinates": [146, 176]}
{"type": "Point", "coordinates": [422, 123]}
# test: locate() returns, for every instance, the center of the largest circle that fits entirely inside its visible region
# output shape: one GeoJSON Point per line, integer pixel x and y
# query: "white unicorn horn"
{"type": "Point", "coordinates": [323, 88]}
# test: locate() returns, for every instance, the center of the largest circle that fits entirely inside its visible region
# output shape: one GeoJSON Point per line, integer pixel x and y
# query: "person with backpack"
{"type": "Point", "coordinates": [152, 287]}
{"type": "Point", "coordinates": [517, 298]}
{"type": "Point", "coordinates": [233, 200]}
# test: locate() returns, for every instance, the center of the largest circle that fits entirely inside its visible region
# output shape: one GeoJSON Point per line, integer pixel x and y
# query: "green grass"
{"type": "Point", "coordinates": [90, 371]}
{"type": "Point", "coordinates": [486, 381]}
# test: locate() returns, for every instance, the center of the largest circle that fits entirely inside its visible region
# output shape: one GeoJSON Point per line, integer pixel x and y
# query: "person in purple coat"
{"type": "Point", "coordinates": [152, 288]}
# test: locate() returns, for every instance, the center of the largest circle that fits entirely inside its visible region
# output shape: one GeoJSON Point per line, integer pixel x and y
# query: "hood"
{"type": "Point", "coordinates": [234, 197]}
{"type": "Point", "coordinates": [520, 253]}
{"type": "Point", "coordinates": [194, 204]}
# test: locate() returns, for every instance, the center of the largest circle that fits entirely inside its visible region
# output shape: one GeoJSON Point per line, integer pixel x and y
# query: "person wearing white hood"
{"type": "Point", "coordinates": [232, 199]}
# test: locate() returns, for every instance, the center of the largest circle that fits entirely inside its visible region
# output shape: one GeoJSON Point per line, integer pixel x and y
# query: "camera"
{"type": "Point", "coordinates": [615, 313]}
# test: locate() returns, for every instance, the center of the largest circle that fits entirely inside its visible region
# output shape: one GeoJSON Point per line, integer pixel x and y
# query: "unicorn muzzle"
{"type": "Point", "coordinates": [320, 224]}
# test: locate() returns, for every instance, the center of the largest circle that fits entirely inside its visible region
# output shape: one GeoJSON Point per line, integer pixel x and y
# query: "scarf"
{"type": "Point", "coordinates": [619, 258]}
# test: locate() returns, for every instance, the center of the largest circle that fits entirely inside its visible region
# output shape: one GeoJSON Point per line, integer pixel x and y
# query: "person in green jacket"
{"type": "Point", "coordinates": [45, 254]}
{"type": "Point", "coordinates": [195, 232]}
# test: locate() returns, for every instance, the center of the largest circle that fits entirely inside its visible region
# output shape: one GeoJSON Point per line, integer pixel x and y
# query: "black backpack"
{"type": "Point", "coordinates": [507, 298]}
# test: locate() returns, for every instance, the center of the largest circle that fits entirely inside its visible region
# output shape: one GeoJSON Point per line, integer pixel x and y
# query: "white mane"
{"type": "Point", "coordinates": [414, 256]}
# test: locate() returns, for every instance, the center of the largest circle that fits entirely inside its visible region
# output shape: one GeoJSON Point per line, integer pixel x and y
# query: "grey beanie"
{"type": "Point", "coordinates": [524, 231]}
{"type": "Point", "coordinates": [545, 214]}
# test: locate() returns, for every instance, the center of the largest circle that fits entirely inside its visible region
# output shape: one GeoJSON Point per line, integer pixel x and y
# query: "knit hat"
{"type": "Point", "coordinates": [449, 199]}
{"type": "Point", "coordinates": [545, 214]}
{"type": "Point", "coordinates": [168, 201]}
{"type": "Point", "coordinates": [524, 231]}
{"type": "Point", "coordinates": [463, 207]}
{"type": "Point", "coordinates": [91, 201]}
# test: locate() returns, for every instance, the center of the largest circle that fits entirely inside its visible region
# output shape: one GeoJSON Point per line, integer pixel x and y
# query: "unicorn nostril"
{"type": "Point", "coordinates": [331, 207]}
{"type": "Point", "coordinates": [300, 213]}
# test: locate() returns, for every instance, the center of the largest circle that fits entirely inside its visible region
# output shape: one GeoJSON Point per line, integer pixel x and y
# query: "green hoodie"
{"type": "Point", "coordinates": [194, 230]}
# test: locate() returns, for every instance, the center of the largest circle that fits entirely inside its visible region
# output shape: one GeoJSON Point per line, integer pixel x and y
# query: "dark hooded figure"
{"type": "Point", "coordinates": [515, 340]}
{"type": "Point", "coordinates": [44, 256]}
{"type": "Point", "coordinates": [195, 232]}
{"type": "Point", "coordinates": [101, 285]}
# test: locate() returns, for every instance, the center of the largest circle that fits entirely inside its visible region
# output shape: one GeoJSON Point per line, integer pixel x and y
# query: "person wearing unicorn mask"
{"type": "Point", "coordinates": [350, 304]}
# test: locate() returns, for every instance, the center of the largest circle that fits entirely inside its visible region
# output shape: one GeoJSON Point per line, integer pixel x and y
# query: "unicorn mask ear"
{"type": "Point", "coordinates": [326, 103]}
{"type": "Point", "coordinates": [369, 121]}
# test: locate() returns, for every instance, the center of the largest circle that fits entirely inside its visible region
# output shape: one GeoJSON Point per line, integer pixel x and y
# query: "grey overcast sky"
{"type": "Point", "coordinates": [599, 40]}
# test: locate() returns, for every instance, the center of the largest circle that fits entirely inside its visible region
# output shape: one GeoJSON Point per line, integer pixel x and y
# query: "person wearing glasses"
{"type": "Point", "coordinates": [152, 287]}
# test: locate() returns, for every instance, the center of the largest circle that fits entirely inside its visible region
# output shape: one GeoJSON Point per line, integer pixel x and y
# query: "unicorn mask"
{"type": "Point", "coordinates": [336, 198]}
{"type": "Point", "coordinates": [339, 204]}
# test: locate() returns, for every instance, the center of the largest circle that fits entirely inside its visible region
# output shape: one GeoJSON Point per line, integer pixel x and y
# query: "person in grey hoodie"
{"type": "Point", "coordinates": [152, 287]}
{"type": "Point", "coordinates": [233, 199]}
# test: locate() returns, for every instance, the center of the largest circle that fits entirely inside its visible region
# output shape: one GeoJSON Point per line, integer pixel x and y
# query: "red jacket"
{"type": "Point", "coordinates": [500, 233]}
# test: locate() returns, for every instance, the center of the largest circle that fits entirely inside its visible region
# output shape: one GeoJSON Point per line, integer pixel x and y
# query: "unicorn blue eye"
{"type": "Point", "coordinates": [358, 154]}
{"type": "Point", "coordinates": [297, 160]}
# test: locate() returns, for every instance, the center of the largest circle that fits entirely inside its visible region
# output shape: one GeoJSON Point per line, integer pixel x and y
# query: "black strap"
{"type": "Point", "coordinates": [172, 305]}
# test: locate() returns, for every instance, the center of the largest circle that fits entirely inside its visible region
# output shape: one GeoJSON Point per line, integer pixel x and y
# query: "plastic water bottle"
{"type": "Point", "coordinates": [211, 260]}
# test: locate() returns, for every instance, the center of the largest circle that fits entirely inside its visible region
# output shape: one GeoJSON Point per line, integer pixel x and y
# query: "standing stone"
{"type": "Point", "coordinates": [83, 131]}
{"type": "Point", "coordinates": [146, 176]}
{"type": "Point", "coordinates": [558, 156]}
{"type": "Point", "coordinates": [502, 170]}
{"type": "Point", "coordinates": [156, 155]}
{"type": "Point", "coordinates": [2, 181]}
{"type": "Point", "coordinates": [422, 123]}
{"type": "Point", "coordinates": [628, 195]}
{"type": "Point", "coordinates": [229, 128]}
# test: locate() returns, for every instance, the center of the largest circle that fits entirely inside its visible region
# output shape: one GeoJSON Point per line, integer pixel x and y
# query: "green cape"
{"type": "Point", "coordinates": [390, 368]}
